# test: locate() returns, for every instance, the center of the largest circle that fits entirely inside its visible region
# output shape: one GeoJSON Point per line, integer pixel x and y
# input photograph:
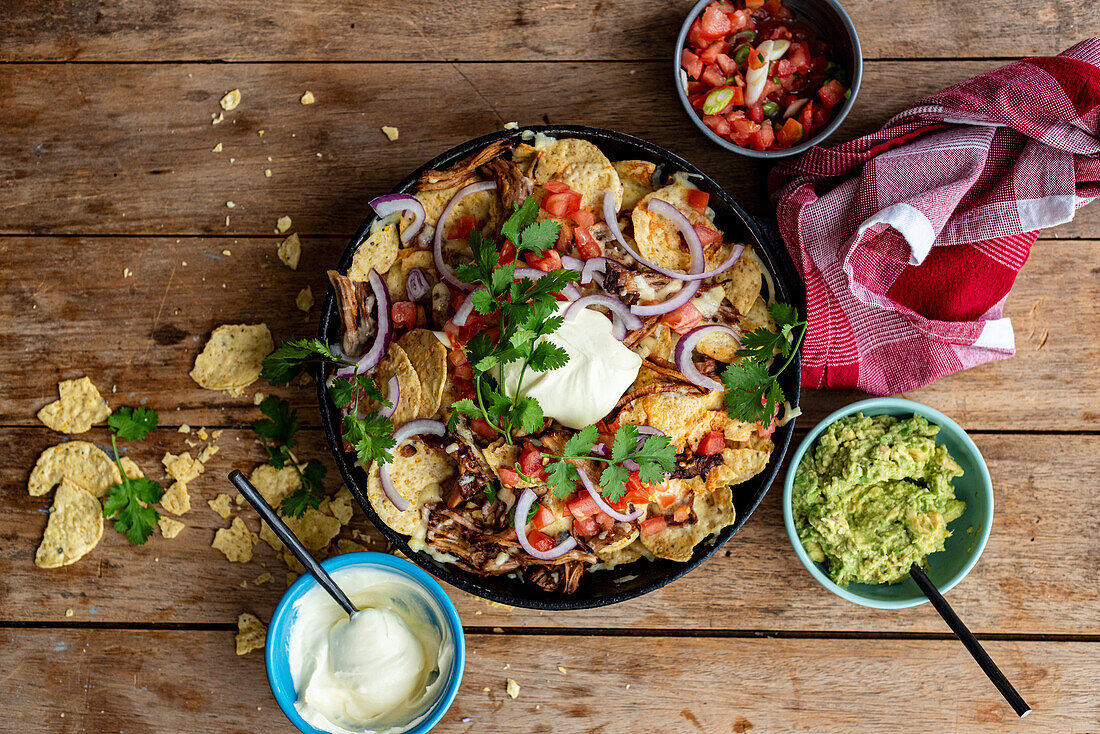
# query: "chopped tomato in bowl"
{"type": "Point", "coordinates": [761, 78]}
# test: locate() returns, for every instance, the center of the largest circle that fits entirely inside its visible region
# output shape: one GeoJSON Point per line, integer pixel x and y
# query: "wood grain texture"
{"type": "Point", "coordinates": [139, 336]}
{"type": "Point", "coordinates": [1037, 575]}
{"type": "Point", "coordinates": [536, 30]}
{"type": "Point", "coordinates": [68, 681]}
{"type": "Point", "coordinates": [143, 161]}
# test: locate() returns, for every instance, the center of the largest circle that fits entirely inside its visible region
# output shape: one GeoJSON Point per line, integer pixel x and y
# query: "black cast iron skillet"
{"type": "Point", "coordinates": [634, 579]}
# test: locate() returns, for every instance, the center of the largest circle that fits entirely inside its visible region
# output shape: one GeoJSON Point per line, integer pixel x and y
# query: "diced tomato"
{"type": "Point", "coordinates": [711, 444]}
{"type": "Point", "coordinates": [463, 372]}
{"type": "Point", "coordinates": [457, 357]}
{"type": "Point", "coordinates": [710, 56]}
{"type": "Point", "coordinates": [403, 314]}
{"type": "Point", "coordinates": [831, 93]}
{"type": "Point", "coordinates": [694, 88]}
{"type": "Point", "coordinates": [637, 491]}
{"type": "Point", "coordinates": [691, 64]}
{"type": "Point", "coordinates": [726, 64]}
{"type": "Point", "coordinates": [542, 518]}
{"type": "Point", "coordinates": [717, 123]}
{"type": "Point", "coordinates": [583, 218]}
{"type": "Point", "coordinates": [757, 60]}
{"type": "Point", "coordinates": [744, 125]}
{"type": "Point", "coordinates": [483, 429]}
{"type": "Point", "coordinates": [510, 477]}
{"type": "Point", "coordinates": [798, 56]}
{"type": "Point", "coordinates": [739, 19]}
{"type": "Point", "coordinates": [756, 112]}
{"type": "Point", "coordinates": [587, 246]}
{"type": "Point", "coordinates": [698, 100]}
{"type": "Point", "coordinates": [683, 319]}
{"type": "Point", "coordinates": [777, 9]}
{"type": "Point", "coordinates": [666, 499]}
{"type": "Point", "coordinates": [783, 68]}
{"type": "Point", "coordinates": [753, 4]}
{"type": "Point", "coordinates": [707, 235]}
{"type": "Point", "coordinates": [822, 115]}
{"type": "Point", "coordinates": [681, 513]}
{"type": "Point", "coordinates": [791, 132]}
{"type": "Point", "coordinates": [694, 37]}
{"type": "Point", "coordinates": [806, 117]}
{"type": "Point", "coordinates": [562, 204]}
{"type": "Point", "coordinates": [604, 520]}
{"type": "Point", "coordinates": [697, 199]}
{"type": "Point", "coordinates": [540, 541]}
{"type": "Point", "coordinates": [507, 253]}
{"type": "Point", "coordinates": [653, 525]}
{"type": "Point", "coordinates": [530, 462]}
{"type": "Point", "coordinates": [763, 138]}
{"type": "Point", "coordinates": [712, 77]}
{"type": "Point", "coordinates": [452, 333]}
{"type": "Point", "coordinates": [770, 88]}
{"type": "Point", "coordinates": [550, 260]}
{"type": "Point", "coordinates": [585, 526]}
{"type": "Point", "coordinates": [714, 24]}
{"type": "Point", "coordinates": [556, 187]}
{"type": "Point", "coordinates": [582, 506]}
{"type": "Point", "coordinates": [461, 229]}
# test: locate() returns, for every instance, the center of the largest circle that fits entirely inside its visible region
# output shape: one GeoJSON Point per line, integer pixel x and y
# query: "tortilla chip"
{"type": "Point", "coordinates": [264, 578]}
{"type": "Point", "coordinates": [307, 98]}
{"type": "Point", "coordinates": [291, 561]}
{"type": "Point", "coordinates": [79, 408]}
{"type": "Point", "coordinates": [742, 282]}
{"type": "Point", "coordinates": [130, 468]}
{"type": "Point", "coordinates": [290, 251]}
{"type": "Point", "coordinates": [684, 418]}
{"type": "Point", "coordinates": [315, 529]}
{"type": "Point", "coordinates": [615, 549]}
{"type": "Point", "coordinates": [235, 541]}
{"type": "Point", "coordinates": [713, 510]}
{"type": "Point", "coordinates": [637, 180]}
{"type": "Point", "coordinates": [349, 546]}
{"type": "Point", "coordinates": [584, 168]}
{"type": "Point", "coordinates": [342, 505]}
{"type": "Point", "coordinates": [720, 346]}
{"type": "Point", "coordinates": [231, 99]}
{"type": "Point", "coordinates": [391, 132]}
{"type": "Point", "coordinates": [220, 505]}
{"type": "Point", "coordinates": [658, 239]}
{"type": "Point", "coordinates": [304, 300]}
{"type": "Point", "coordinates": [78, 462]}
{"type": "Point", "coordinates": [208, 453]}
{"type": "Point", "coordinates": [170, 528]}
{"type": "Point", "coordinates": [624, 555]}
{"type": "Point", "coordinates": [428, 357]}
{"type": "Point", "coordinates": [378, 253]}
{"type": "Point", "coordinates": [74, 528]}
{"type": "Point", "coordinates": [758, 316]}
{"type": "Point", "coordinates": [417, 478]}
{"type": "Point", "coordinates": [251, 633]}
{"type": "Point", "coordinates": [739, 465]}
{"type": "Point", "coordinates": [176, 500]}
{"type": "Point", "coordinates": [283, 223]}
{"type": "Point", "coordinates": [182, 468]}
{"type": "Point", "coordinates": [268, 536]}
{"type": "Point", "coordinates": [407, 259]}
{"type": "Point", "coordinates": [275, 484]}
{"type": "Point", "coordinates": [396, 363]}
{"type": "Point", "coordinates": [484, 205]}
{"type": "Point", "coordinates": [233, 357]}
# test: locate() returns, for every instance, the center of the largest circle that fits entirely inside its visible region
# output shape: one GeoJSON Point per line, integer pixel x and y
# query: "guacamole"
{"type": "Point", "coordinates": [873, 495]}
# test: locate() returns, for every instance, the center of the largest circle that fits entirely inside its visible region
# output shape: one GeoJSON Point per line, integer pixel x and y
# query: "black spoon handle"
{"type": "Point", "coordinates": [290, 540]}
{"type": "Point", "coordinates": [970, 642]}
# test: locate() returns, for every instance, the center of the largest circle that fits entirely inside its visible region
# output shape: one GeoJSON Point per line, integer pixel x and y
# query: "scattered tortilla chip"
{"type": "Point", "coordinates": [258, 398]}
{"type": "Point", "coordinates": [176, 500]}
{"type": "Point", "coordinates": [713, 510]}
{"type": "Point", "coordinates": [512, 688]}
{"type": "Point", "coordinates": [342, 506]}
{"type": "Point", "coordinates": [290, 251]}
{"type": "Point", "coordinates": [428, 357]}
{"type": "Point", "coordinates": [291, 577]}
{"type": "Point", "coordinates": [584, 168]}
{"type": "Point", "coordinates": [220, 505]}
{"type": "Point", "coordinates": [275, 484]}
{"type": "Point", "coordinates": [217, 118]}
{"type": "Point", "coordinates": [231, 99]}
{"type": "Point", "coordinates": [69, 612]}
{"type": "Point", "coordinates": [282, 224]}
{"type": "Point", "coordinates": [378, 252]}
{"type": "Point", "coordinates": [74, 528]}
{"type": "Point", "coordinates": [637, 180]}
{"type": "Point", "coordinates": [130, 468]}
{"type": "Point", "coordinates": [182, 468]}
{"type": "Point", "coordinates": [407, 259]}
{"type": "Point", "coordinates": [291, 561]}
{"type": "Point", "coordinates": [343, 545]}
{"type": "Point", "coordinates": [304, 301]}
{"type": "Point", "coordinates": [684, 418]}
{"type": "Point", "coordinates": [758, 316]}
{"type": "Point", "coordinates": [80, 406]}
{"type": "Point", "coordinates": [742, 282]}
{"type": "Point", "coordinates": [208, 453]}
{"type": "Point", "coordinates": [233, 357]}
{"type": "Point", "coordinates": [390, 132]}
{"type": "Point", "coordinates": [235, 541]}
{"type": "Point", "coordinates": [218, 148]}
{"type": "Point", "coordinates": [263, 578]}
{"type": "Point", "coordinates": [79, 462]}
{"type": "Point", "coordinates": [315, 529]}
{"type": "Point", "coordinates": [170, 528]}
{"type": "Point", "coordinates": [396, 363]}
{"type": "Point", "coordinates": [417, 478]}
{"type": "Point", "coordinates": [268, 536]}
{"type": "Point", "coordinates": [251, 633]}
{"type": "Point", "coordinates": [307, 98]}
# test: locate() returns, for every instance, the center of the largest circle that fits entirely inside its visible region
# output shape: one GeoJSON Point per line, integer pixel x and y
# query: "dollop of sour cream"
{"type": "Point", "coordinates": [599, 371]}
{"type": "Point", "coordinates": [377, 673]}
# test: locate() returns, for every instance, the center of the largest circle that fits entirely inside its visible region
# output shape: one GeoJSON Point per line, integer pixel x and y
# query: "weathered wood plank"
{"type": "Point", "coordinates": [533, 30]}
{"type": "Point", "coordinates": [77, 315]}
{"type": "Point", "coordinates": [1037, 575]}
{"type": "Point", "coordinates": [143, 161]}
{"type": "Point", "coordinates": [72, 681]}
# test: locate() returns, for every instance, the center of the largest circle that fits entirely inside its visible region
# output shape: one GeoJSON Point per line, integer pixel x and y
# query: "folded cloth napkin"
{"type": "Point", "coordinates": [910, 239]}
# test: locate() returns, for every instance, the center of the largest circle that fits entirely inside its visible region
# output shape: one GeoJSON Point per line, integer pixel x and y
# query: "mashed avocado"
{"type": "Point", "coordinates": [873, 495]}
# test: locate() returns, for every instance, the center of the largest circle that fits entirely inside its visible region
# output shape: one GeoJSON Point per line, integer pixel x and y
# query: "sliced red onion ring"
{"type": "Point", "coordinates": [523, 506]}
{"type": "Point", "coordinates": [393, 396]}
{"type": "Point", "coordinates": [649, 431]}
{"type": "Point", "coordinates": [416, 284]}
{"type": "Point", "coordinates": [445, 273]}
{"type": "Point", "coordinates": [593, 267]}
{"type": "Point", "coordinates": [463, 312]}
{"type": "Point", "coordinates": [686, 346]}
{"type": "Point", "coordinates": [618, 328]}
{"type": "Point", "coordinates": [532, 273]}
{"type": "Point", "coordinates": [617, 307]}
{"type": "Point", "coordinates": [602, 503]}
{"type": "Point", "coordinates": [386, 205]}
{"type": "Point", "coordinates": [572, 263]}
{"type": "Point", "coordinates": [373, 356]}
{"type": "Point", "coordinates": [571, 292]}
{"type": "Point", "coordinates": [407, 431]}
{"type": "Point", "coordinates": [601, 450]}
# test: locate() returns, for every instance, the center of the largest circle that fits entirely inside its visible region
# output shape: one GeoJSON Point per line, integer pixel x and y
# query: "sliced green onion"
{"type": "Point", "coordinates": [717, 100]}
{"type": "Point", "coordinates": [848, 94]}
{"type": "Point", "coordinates": [742, 54]}
{"type": "Point", "coordinates": [746, 36]}
{"type": "Point", "coordinates": [770, 108]}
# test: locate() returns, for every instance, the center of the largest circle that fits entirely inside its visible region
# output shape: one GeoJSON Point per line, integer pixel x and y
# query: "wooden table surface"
{"type": "Point", "coordinates": [107, 162]}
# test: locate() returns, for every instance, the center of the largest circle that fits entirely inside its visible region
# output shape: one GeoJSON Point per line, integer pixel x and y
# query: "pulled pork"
{"type": "Point", "coordinates": [464, 171]}
{"type": "Point", "coordinates": [355, 301]}
{"type": "Point", "coordinates": [512, 185]}
{"type": "Point", "coordinates": [474, 471]}
{"type": "Point", "coordinates": [693, 465]}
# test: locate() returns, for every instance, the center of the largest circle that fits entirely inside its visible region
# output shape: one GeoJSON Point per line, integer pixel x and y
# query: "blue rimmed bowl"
{"type": "Point", "coordinates": [969, 532]}
{"type": "Point", "coordinates": [277, 649]}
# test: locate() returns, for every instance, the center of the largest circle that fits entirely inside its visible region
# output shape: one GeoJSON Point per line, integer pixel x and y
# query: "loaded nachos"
{"type": "Point", "coordinates": [552, 363]}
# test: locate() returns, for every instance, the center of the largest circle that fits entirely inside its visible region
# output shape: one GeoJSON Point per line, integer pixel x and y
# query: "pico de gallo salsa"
{"type": "Point", "coordinates": [758, 77]}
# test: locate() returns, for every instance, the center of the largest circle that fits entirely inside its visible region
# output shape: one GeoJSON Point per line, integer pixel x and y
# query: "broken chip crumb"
{"type": "Point", "coordinates": [79, 406]}
{"type": "Point", "coordinates": [202, 434]}
{"type": "Point", "coordinates": [170, 528]}
{"type": "Point", "coordinates": [176, 500]}
{"type": "Point", "coordinates": [307, 98]}
{"type": "Point", "coordinates": [217, 118]}
{"type": "Point", "coordinates": [218, 148]}
{"type": "Point", "coordinates": [561, 670]}
{"type": "Point", "coordinates": [220, 505]}
{"type": "Point", "coordinates": [260, 133]}
{"type": "Point", "coordinates": [182, 468]}
{"type": "Point", "coordinates": [184, 429]}
{"type": "Point", "coordinates": [282, 224]}
{"type": "Point", "coordinates": [232, 358]}
{"type": "Point", "coordinates": [511, 125]}
{"type": "Point", "coordinates": [130, 468]}
{"type": "Point", "coordinates": [391, 132]}
{"type": "Point", "coordinates": [304, 301]}
{"type": "Point", "coordinates": [127, 273]}
{"type": "Point", "coordinates": [263, 578]}
{"type": "Point", "coordinates": [235, 541]}
{"type": "Point", "coordinates": [267, 172]}
{"type": "Point", "coordinates": [69, 612]}
{"type": "Point", "coordinates": [258, 398]}
{"type": "Point", "coordinates": [290, 251]}
{"type": "Point", "coordinates": [227, 253]}
{"type": "Point", "coordinates": [251, 633]}
{"type": "Point", "coordinates": [231, 99]}
{"type": "Point", "coordinates": [230, 204]}
{"type": "Point", "coordinates": [244, 584]}
{"type": "Point", "coordinates": [512, 688]}
{"type": "Point", "coordinates": [498, 630]}
{"type": "Point", "coordinates": [208, 453]}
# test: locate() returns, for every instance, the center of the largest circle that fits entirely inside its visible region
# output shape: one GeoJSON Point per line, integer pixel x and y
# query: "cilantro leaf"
{"type": "Point", "coordinates": [529, 416]}
{"type": "Point", "coordinates": [539, 237]}
{"type": "Point", "coordinates": [343, 391]}
{"type": "Point", "coordinates": [784, 314]}
{"type": "Point", "coordinates": [291, 357]}
{"type": "Point", "coordinates": [370, 437]}
{"type": "Point", "coordinates": [760, 344]}
{"type": "Point", "coordinates": [746, 385]}
{"type": "Point", "coordinates": [547, 356]}
{"type": "Point", "coordinates": [128, 504]}
{"type": "Point", "coordinates": [626, 438]}
{"type": "Point", "coordinates": [562, 478]}
{"type": "Point", "coordinates": [310, 494]}
{"type": "Point", "coordinates": [482, 300]}
{"type": "Point", "coordinates": [523, 216]}
{"type": "Point", "coordinates": [581, 442]}
{"type": "Point", "coordinates": [133, 424]}
{"type": "Point", "coordinates": [613, 482]}
{"type": "Point", "coordinates": [491, 492]}
{"type": "Point", "coordinates": [281, 422]}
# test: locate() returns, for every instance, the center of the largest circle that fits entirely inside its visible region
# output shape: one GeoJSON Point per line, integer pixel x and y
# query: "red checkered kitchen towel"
{"type": "Point", "coordinates": [910, 239]}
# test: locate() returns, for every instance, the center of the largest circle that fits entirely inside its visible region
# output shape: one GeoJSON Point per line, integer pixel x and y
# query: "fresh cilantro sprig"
{"type": "Point", "coordinates": [292, 356]}
{"type": "Point", "coordinates": [656, 457]}
{"type": "Point", "coordinates": [752, 391]}
{"type": "Point", "coordinates": [276, 433]}
{"type": "Point", "coordinates": [129, 501]}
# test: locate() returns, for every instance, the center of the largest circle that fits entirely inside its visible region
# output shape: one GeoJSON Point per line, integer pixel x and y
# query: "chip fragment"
{"type": "Point", "coordinates": [417, 477]}
{"type": "Point", "coordinates": [170, 528]}
{"type": "Point", "coordinates": [79, 407]}
{"type": "Point", "coordinates": [220, 505]}
{"type": "Point", "coordinates": [307, 98]}
{"type": "Point", "coordinates": [182, 468]}
{"type": "Point", "coordinates": [80, 462]}
{"type": "Point", "coordinates": [231, 99]}
{"type": "Point", "coordinates": [304, 300]}
{"type": "Point", "coordinates": [290, 251]}
{"type": "Point", "coordinates": [378, 252]}
{"type": "Point", "coordinates": [396, 364]}
{"type": "Point", "coordinates": [233, 357]}
{"type": "Point", "coordinates": [235, 541]}
{"type": "Point", "coordinates": [583, 167]}
{"type": "Point", "coordinates": [251, 633]}
{"type": "Point", "coordinates": [637, 180]}
{"type": "Point", "coordinates": [74, 528]}
{"type": "Point", "coordinates": [176, 500]}
{"type": "Point", "coordinates": [314, 528]}
{"type": "Point", "coordinates": [390, 132]}
{"type": "Point", "coordinates": [275, 484]}
{"type": "Point", "coordinates": [428, 357]}
{"type": "Point", "coordinates": [282, 224]}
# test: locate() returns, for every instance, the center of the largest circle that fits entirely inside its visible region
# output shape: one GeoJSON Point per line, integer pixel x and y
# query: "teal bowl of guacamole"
{"type": "Point", "coordinates": [878, 485]}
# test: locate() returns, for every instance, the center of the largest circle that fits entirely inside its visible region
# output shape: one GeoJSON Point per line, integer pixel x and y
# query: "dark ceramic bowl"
{"type": "Point", "coordinates": [832, 24]}
{"type": "Point", "coordinates": [625, 582]}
